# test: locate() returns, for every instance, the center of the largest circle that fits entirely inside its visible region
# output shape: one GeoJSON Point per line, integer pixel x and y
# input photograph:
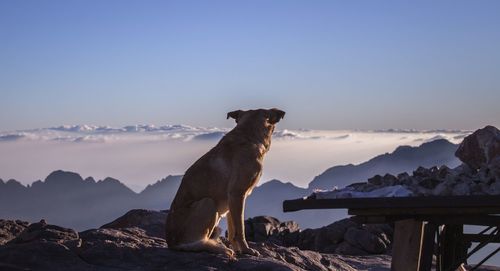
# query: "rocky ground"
{"type": "Point", "coordinates": [131, 246]}
{"type": "Point", "coordinates": [41, 246]}
{"type": "Point", "coordinates": [345, 237]}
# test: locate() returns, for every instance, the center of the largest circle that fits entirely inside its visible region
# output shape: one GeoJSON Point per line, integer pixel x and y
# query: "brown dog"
{"type": "Point", "coordinates": [218, 183]}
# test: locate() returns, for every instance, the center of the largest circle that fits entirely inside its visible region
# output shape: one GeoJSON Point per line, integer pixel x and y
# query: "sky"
{"type": "Point", "coordinates": [328, 64]}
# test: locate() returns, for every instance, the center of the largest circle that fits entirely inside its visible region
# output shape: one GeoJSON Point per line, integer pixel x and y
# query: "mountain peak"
{"type": "Point", "coordinates": [110, 180]}
{"type": "Point", "coordinates": [276, 183]}
{"type": "Point", "coordinates": [169, 181]}
{"type": "Point", "coordinates": [90, 180]}
{"type": "Point", "coordinates": [113, 186]}
{"type": "Point", "coordinates": [437, 143]}
{"type": "Point", "coordinates": [60, 176]}
{"type": "Point", "coordinates": [13, 183]}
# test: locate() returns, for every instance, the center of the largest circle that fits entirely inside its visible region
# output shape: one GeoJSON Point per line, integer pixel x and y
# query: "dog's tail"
{"type": "Point", "coordinates": [208, 245]}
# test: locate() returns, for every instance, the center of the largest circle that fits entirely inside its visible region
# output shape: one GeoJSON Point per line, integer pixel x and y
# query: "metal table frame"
{"type": "Point", "coordinates": [424, 226]}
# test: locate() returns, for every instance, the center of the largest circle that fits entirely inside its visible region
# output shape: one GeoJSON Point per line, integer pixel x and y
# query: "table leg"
{"type": "Point", "coordinates": [453, 247]}
{"type": "Point", "coordinates": [406, 246]}
{"type": "Point", "coordinates": [427, 249]}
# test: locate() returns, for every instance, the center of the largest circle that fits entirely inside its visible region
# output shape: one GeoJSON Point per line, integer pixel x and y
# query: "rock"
{"type": "Point", "coordinates": [320, 240]}
{"type": "Point", "coordinates": [383, 231]}
{"type": "Point", "coordinates": [42, 248]}
{"type": "Point", "coordinates": [10, 229]}
{"type": "Point", "coordinates": [461, 189]}
{"type": "Point", "coordinates": [375, 262]}
{"type": "Point", "coordinates": [463, 170]}
{"type": "Point", "coordinates": [287, 234]}
{"type": "Point", "coordinates": [429, 183]}
{"type": "Point", "coordinates": [289, 226]}
{"type": "Point", "coordinates": [363, 186]}
{"type": "Point", "coordinates": [122, 248]}
{"type": "Point", "coordinates": [444, 172]}
{"type": "Point", "coordinates": [44, 232]}
{"type": "Point", "coordinates": [421, 172]}
{"type": "Point", "coordinates": [358, 186]}
{"type": "Point", "coordinates": [335, 231]}
{"type": "Point", "coordinates": [263, 228]}
{"type": "Point", "coordinates": [42, 256]}
{"type": "Point", "coordinates": [307, 239]}
{"type": "Point", "coordinates": [376, 180]}
{"type": "Point", "coordinates": [480, 148]}
{"type": "Point", "coordinates": [389, 180]}
{"type": "Point", "coordinates": [262, 231]}
{"type": "Point", "coordinates": [288, 239]}
{"type": "Point", "coordinates": [494, 188]}
{"type": "Point", "coordinates": [494, 168]}
{"type": "Point", "coordinates": [152, 222]}
{"type": "Point", "coordinates": [444, 188]}
{"type": "Point", "coordinates": [404, 178]}
{"type": "Point", "coordinates": [365, 240]}
{"type": "Point", "coordinates": [305, 260]}
{"type": "Point", "coordinates": [346, 248]}
{"type": "Point", "coordinates": [326, 239]}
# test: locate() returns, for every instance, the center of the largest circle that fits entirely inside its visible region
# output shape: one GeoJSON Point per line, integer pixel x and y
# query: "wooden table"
{"type": "Point", "coordinates": [424, 226]}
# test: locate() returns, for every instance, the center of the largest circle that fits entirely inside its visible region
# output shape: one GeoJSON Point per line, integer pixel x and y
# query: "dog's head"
{"type": "Point", "coordinates": [266, 118]}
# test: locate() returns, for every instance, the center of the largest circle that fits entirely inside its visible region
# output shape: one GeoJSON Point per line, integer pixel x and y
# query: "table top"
{"type": "Point", "coordinates": [477, 204]}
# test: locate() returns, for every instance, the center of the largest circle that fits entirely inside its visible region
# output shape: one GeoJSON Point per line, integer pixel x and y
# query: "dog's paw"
{"type": "Point", "coordinates": [229, 252]}
{"type": "Point", "coordinates": [250, 251]}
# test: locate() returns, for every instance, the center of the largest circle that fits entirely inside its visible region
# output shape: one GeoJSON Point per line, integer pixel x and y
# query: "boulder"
{"type": "Point", "coordinates": [346, 248]}
{"type": "Point", "coordinates": [263, 228]}
{"type": "Point", "coordinates": [122, 248]}
{"type": "Point", "coordinates": [152, 222]}
{"type": "Point", "coordinates": [480, 148]}
{"type": "Point", "coordinates": [429, 183]}
{"type": "Point", "coordinates": [307, 239]}
{"type": "Point", "coordinates": [10, 229]}
{"type": "Point", "coordinates": [43, 232]}
{"type": "Point", "coordinates": [325, 239]}
{"type": "Point", "coordinates": [494, 188]}
{"type": "Point", "coordinates": [41, 246]}
{"type": "Point", "coordinates": [375, 180]}
{"type": "Point", "coordinates": [389, 180]}
{"type": "Point", "coordinates": [444, 188]}
{"type": "Point", "coordinates": [461, 189]}
{"type": "Point", "coordinates": [43, 255]}
{"type": "Point", "coordinates": [383, 231]}
{"type": "Point", "coordinates": [335, 231]}
{"type": "Point", "coordinates": [421, 172]}
{"type": "Point", "coordinates": [494, 169]}
{"type": "Point", "coordinates": [365, 240]}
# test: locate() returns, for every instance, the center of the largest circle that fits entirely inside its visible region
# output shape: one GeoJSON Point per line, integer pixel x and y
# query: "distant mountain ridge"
{"type": "Point", "coordinates": [65, 198]}
{"type": "Point", "coordinates": [403, 159]}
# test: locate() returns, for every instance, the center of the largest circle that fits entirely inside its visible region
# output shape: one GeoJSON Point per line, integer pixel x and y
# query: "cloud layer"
{"type": "Point", "coordinates": [140, 154]}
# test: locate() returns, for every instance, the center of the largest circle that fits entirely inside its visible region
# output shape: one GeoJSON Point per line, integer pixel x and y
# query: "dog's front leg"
{"type": "Point", "coordinates": [236, 226]}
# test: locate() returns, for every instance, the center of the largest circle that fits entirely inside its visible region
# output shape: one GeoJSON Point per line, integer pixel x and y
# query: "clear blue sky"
{"type": "Point", "coordinates": [329, 64]}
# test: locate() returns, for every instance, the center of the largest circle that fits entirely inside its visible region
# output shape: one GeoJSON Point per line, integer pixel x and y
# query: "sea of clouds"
{"type": "Point", "coordinates": [141, 154]}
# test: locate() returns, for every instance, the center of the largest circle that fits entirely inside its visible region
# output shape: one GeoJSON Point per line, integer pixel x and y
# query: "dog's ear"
{"type": "Point", "coordinates": [234, 114]}
{"type": "Point", "coordinates": [275, 115]}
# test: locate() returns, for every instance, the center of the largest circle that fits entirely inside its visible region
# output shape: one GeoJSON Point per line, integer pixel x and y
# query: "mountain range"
{"type": "Point", "coordinates": [66, 199]}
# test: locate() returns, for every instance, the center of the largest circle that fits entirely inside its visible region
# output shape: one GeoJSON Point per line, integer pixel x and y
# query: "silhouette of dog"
{"type": "Point", "coordinates": [218, 183]}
